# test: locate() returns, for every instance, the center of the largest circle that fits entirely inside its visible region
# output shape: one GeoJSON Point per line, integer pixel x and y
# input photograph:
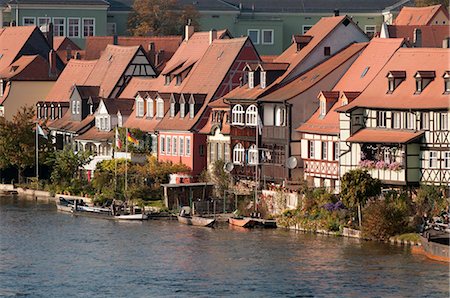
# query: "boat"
{"type": "Point", "coordinates": [186, 218]}
{"type": "Point", "coordinates": [139, 216]}
{"type": "Point", "coordinates": [436, 244]}
{"type": "Point", "coordinates": [245, 222]}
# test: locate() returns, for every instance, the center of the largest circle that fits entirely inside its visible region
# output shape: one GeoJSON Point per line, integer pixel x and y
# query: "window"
{"type": "Point", "coordinates": [74, 107]}
{"type": "Point", "coordinates": [305, 28]}
{"type": "Point", "coordinates": [280, 116]}
{"type": "Point", "coordinates": [432, 161]}
{"type": "Point", "coordinates": [201, 150]}
{"type": "Point", "coordinates": [327, 51]}
{"type": "Point", "coordinates": [1, 87]}
{"type": "Point", "coordinates": [181, 146]}
{"type": "Point", "coordinates": [237, 115]}
{"type": "Point", "coordinates": [45, 111]}
{"type": "Point", "coordinates": [111, 28]}
{"type": "Point", "coordinates": [336, 151]}
{"type": "Point", "coordinates": [391, 85]}
{"type": "Point", "coordinates": [267, 36]}
{"type": "Point", "coordinates": [174, 146]}
{"type": "Point", "coordinates": [254, 35]}
{"type": "Point", "coordinates": [446, 77]}
{"type": "Point", "coordinates": [251, 115]}
{"type": "Point", "coordinates": [227, 152]}
{"type": "Point", "coordinates": [323, 108]}
{"type": "Point", "coordinates": [191, 110]}
{"type": "Point", "coordinates": [410, 118]}
{"type": "Point", "coordinates": [167, 80]}
{"type": "Point", "coordinates": [263, 79]}
{"type": "Point", "coordinates": [212, 152]}
{"type": "Point", "coordinates": [381, 119]}
{"type": "Point", "coordinates": [182, 111]}
{"type": "Point", "coordinates": [311, 149]}
{"type": "Point", "coordinates": [102, 123]}
{"type": "Point", "coordinates": [396, 120]}
{"type": "Point", "coordinates": [238, 154]}
{"type": "Point", "coordinates": [188, 146]}
{"type": "Point", "coordinates": [251, 79]}
{"type": "Point", "coordinates": [140, 107]}
{"type": "Point", "coordinates": [159, 108]}
{"type": "Point", "coordinates": [179, 80]}
{"type": "Point", "coordinates": [88, 27]}
{"type": "Point", "coordinates": [52, 112]}
{"type": "Point", "coordinates": [252, 155]}
{"type": "Point", "coordinates": [162, 145]}
{"type": "Point", "coordinates": [443, 119]}
{"type": "Point", "coordinates": [59, 26]}
{"type": "Point", "coordinates": [78, 107]}
{"type": "Point", "coordinates": [168, 145]}
{"type": "Point", "coordinates": [447, 160]}
{"type": "Point", "coordinates": [370, 30]}
{"type": "Point", "coordinates": [73, 27]}
{"type": "Point", "coordinates": [220, 151]}
{"type": "Point", "coordinates": [119, 120]}
{"type": "Point", "coordinates": [43, 22]}
{"type": "Point", "coordinates": [150, 112]}
{"type": "Point", "coordinates": [172, 109]}
{"type": "Point", "coordinates": [29, 21]}
{"type": "Point", "coordinates": [38, 112]}
{"type": "Point", "coordinates": [425, 120]}
{"type": "Point", "coordinates": [418, 85]}
{"type": "Point", "coordinates": [324, 151]}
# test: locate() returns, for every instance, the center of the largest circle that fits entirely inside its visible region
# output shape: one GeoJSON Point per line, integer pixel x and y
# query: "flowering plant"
{"type": "Point", "coordinates": [381, 165]}
{"type": "Point", "coordinates": [367, 164]}
{"type": "Point", "coordinates": [395, 166]}
{"type": "Point", "coordinates": [334, 206]}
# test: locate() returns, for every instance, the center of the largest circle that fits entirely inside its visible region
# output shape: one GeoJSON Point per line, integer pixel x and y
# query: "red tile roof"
{"type": "Point", "coordinates": [403, 97]}
{"type": "Point", "coordinates": [12, 40]}
{"type": "Point", "coordinates": [369, 135]}
{"type": "Point", "coordinates": [94, 134]}
{"type": "Point", "coordinates": [310, 78]}
{"type": "Point", "coordinates": [28, 68]}
{"type": "Point", "coordinates": [418, 15]}
{"type": "Point", "coordinates": [432, 36]}
{"type": "Point", "coordinates": [66, 124]}
{"type": "Point", "coordinates": [75, 73]}
{"type": "Point", "coordinates": [355, 80]}
{"type": "Point", "coordinates": [61, 43]}
{"type": "Point", "coordinates": [113, 105]}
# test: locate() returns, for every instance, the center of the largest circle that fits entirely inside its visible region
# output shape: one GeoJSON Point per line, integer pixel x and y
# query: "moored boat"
{"type": "Point", "coordinates": [186, 218]}
{"type": "Point", "coordinates": [245, 222]}
{"type": "Point", "coordinates": [436, 245]}
{"type": "Point", "coordinates": [140, 216]}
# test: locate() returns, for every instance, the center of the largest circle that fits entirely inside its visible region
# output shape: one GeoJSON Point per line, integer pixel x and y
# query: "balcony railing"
{"type": "Point", "coordinates": [275, 132]}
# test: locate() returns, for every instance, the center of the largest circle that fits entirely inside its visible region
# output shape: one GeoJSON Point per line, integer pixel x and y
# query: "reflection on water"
{"type": "Point", "coordinates": [44, 253]}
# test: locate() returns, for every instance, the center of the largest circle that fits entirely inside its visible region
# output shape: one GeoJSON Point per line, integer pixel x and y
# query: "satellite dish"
{"type": "Point", "coordinates": [228, 167]}
{"type": "Point", "coordinates": [291, 162]}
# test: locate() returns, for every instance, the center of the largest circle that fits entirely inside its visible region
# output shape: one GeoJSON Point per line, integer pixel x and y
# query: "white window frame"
{"type": "Point", "coordinates": [443, 121]}
{"type": "Point", "coordinates": [47, 20]}
{"type": "Point", "coordinates": [251, 79]}
{"type": "Point", "coordinates": [336, 150]}
{"type": "Point", "coordinates": [257, 35]}
{"type": "Point", "coordinates": [410, 120]}
{"type": "Point", "coordinates": [237, 114]}
{"type": "Point", "coordinates": [324, 150]}
{"type": "Point", "coordinates": [69, 26]}
{"type": "Point", "coordinates": [175, 145]}
{"type": "Point", "coordinates": [74, 107]}
{"type": "Point", "coordinates": [172, 109]}
{"type": "Point", "coordinates": [311, 149]}
{"type": "Point", "coordinates": [252, 155]}
{"type": "Point", "coordinates": [370, 29]}
{"type": "Point", "coordinates": [38, 111]}
{"type": "Point", "coordinates": [181, 144]}
{"type": "Point", "coordinates": [29, 18]}
{"type": "Point", "coordinates": [262, 36]}
{"type": "Point", "coordinates": [305, 28]}
{"type": "Point", "coordinates": [238, 154]}
{"type": "Point", "coordinates": [251, 115]}
{"type": "Point", "coordinates": [139, 107]}
{"type": "Point", "coordinates": [93, 26]}
{"type": "Point", "coordinates": [191, 110]}
{"type": "Point", "coordinates": [381, 119]}
{"type": "Point", "coordinates": [168, 145]}
{"type": "Point", "coordinates": [188, 146]}
{"type": "Point", "coordinates": [182, 110]}
{"type": "Point", "coordinates": [263, 79]}
{"type": "Point", "coordinates": [447, 160]}
{"type": "Point", "coordinates": [150, 111]}
{"type": "Point", "coordinates": [159, 108]}
{"type": "Point", "coordinates": [323, 108]}
{"type": "Point", "coordinates": [432, 159]}
{"type": "Point", "coordinates": [162, 145]}
{"type": "Point", "coordinates": [280, 116]}
{"type": "Point", "coordinates": [55, 26]}
{"type": "Point", "coordinates": [425, 120]}
{"type": "Point", "coordinates": [78, 107]}
{"type": "Point", "coordinates": [396, 120]}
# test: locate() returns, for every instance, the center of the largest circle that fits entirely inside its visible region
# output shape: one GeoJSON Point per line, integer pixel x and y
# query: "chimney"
{"type": "Point", "coordinates": [446, 43]}
{"type": "Point", "coordinates": [115, 40]}
{"type": "Point", "coordinates": [188, 31]}
{"type": "Point", "coordinates": [68, 52]}
{"type": "Point", "coordinates": [417, 38]}
{"type": "Point", "coordinates": [52, 64]}
{"type": "Point", "coordinates": [212, 35]}
{"type": "Point", "coordinates": [336, 12]}
{"type": "Point", "coordinates": [49, 35]}
{"type": "Point", "coordinates": [159, 56]}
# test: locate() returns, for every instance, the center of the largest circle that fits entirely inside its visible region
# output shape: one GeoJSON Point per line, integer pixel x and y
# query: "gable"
{"type": "Point", "coordinates": [101, 110]}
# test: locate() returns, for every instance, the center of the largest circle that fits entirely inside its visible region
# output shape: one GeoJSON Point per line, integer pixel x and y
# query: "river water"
{"type": "Point", "coordinates": [44, 253]}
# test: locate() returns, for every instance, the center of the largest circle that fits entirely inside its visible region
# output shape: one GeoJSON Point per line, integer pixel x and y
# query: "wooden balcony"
{"type": "Point", "coordinates": [275, 133]}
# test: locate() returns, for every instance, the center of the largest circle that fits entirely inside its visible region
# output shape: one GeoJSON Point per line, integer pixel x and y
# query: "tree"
{"type": "Point", "coordinates": [159, 171]}
{"type": "Point", "coordinates": [430, 199]}
{"type": "Point", "coordinates": [219, 177]}
{"type": "Point", "coordinates": [160, 17]}
{"type": "Point", "coordinates": [18, 142]}
{"type": "Point", "coordinates": [67, 164]}
{"type": "Point", "coordinates": [421, 3]}
{"type": "Point", "coordinates": [356, 187]}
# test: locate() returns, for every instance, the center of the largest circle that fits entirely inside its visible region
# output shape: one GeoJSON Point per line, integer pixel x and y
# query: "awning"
{"type": "Point", "coordinates": [381, 136]}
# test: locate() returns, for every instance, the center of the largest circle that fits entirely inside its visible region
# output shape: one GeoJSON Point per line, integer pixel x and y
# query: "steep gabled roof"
{"type": "Point", "coordinates": [418, 15]}
{"type": "Point", "coordinates": [28, 68]}
{"type": "Point", "coordinates": [113, 105]}
{"type": "Point", "coordinates": [431, 36]}
{"type": "Point", "coordinates": [12, 40]}
{"type": "Point", "coordinates": [355, 80]}
{"type": "Point", "coordinates": [404, 96]}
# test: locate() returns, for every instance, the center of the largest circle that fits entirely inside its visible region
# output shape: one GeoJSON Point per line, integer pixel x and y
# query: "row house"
{"type": "Point", "coordinates": [263, 133]}
{"type": "Point", "coordinates": [72, 100]}
{"type": "Point", "coordinates": [28, 68]}
{"type": "Point", "coordinates": [398, 128]}
{"type": "Point", "coordinates": [320, 133]}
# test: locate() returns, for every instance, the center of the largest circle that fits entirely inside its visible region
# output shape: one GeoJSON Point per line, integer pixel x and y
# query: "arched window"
{"type": "Point", "coordinates": [238, 154]}
{"type": "Point", "coordinates": [252, 155]}
{"type": "Point", "coordinates": [237, 115]}
{"type": "Point", "coordinates": [280, 116]}
{"type": "Point", "coordinates": [251, 115]}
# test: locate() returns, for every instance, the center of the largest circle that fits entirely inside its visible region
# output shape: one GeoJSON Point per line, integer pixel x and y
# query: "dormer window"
{"type": "Point", "coordinates": [91, 108]}
{"type": "Point", "coordinates": [45, 111]}
{"type": "Point", "coordinates": [182, 107]}
{"type": "Point", "coordinates": [323, 108]}
{"type": "Point", "coordinates": [327, 51]}
{"type": "Point", "coordinates": [78, 107]}
{"type": "Point", "coordinates": [191, 107]}
{"type": "Point", "coordinates": [251, 79]}
{"type": "Point", "coordinates": [446, 77]}
{"type": "Point", "coordinates": [159, 108]}
{"type": "Point", "coordinates": [237, 115]}
{"type": "Point", "coordinates": [38, 108]}
{"type": "Point", "coordinates": [52, 111]}
{"type": "Point", "coordinates": [172, 109]}
{"type": "Point", "coordinates": [74, 107]}
{"type": "Point", "coordinates": [423, 78]}
{"type": "Point", "coordinates": [167, 78]}
{"type": "Point", "coordinates": [394, 79]}
{"type": "Point", "coordinates": [150, 112]}
{"type": "Point", "coordinates": [179, 80]}
{"type": "Point", "coordinates": [263, 79]}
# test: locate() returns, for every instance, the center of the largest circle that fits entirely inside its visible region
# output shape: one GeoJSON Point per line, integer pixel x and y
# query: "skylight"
{"type": "Point", "coordinates": [363, 74]}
